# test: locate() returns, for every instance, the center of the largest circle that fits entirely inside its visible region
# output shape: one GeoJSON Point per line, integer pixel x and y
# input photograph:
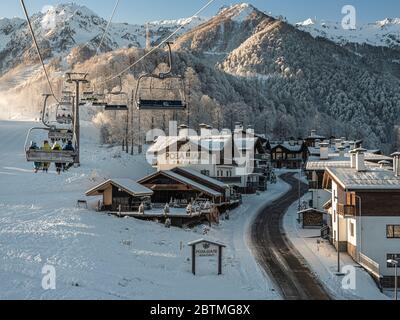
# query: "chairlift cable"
{"type": "Point", "coordinates": [107, 27]}
{"type": "Point", "coordinates": [37, 48]}
{"type": "Point", "coordinates": [162, 42]}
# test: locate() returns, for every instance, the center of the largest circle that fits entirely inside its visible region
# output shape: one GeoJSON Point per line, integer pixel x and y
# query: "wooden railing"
{"type": "Point", "coordinates": [346, 210]}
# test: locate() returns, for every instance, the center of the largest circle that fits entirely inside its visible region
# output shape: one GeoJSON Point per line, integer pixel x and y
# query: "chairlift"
{"type": "Point", "coordinates": [51, 156]}
{"type": "Point", "coordinates": [117, 100]}
{"type": "Point", "coordinates": [64, 114]}
{"type": "Point", "coordinates": [163, 91]}
{"type": "Point", "coordinates": [62, 135]}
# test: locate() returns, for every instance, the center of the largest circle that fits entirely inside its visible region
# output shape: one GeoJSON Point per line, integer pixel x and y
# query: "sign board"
{"type": "Point", "coordinates": [205, 248]}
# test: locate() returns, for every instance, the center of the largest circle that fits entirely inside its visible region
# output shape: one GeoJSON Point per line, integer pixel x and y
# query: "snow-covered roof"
{"type": "Point", "coordinates": [186, 181]}
{"type": "Point", "coordinates": [372, 179]}
{"type": "Point", "coordinates": [128, 185]}
{"type": "Point", "coordinates": [338, 162]}
{"type": "Point", "coordinates": [193, 243]}
{"type": "Point", "coordinates": [287, 145]}
{"type": "Point", "coordinates": [203, 177]}
{"type": "Point", "coordinates": [162, 142]}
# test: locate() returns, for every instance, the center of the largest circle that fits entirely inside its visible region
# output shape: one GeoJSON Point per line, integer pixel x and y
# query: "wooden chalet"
{"type": "Point", "coordinates": [168, 185]}
{"type": "Point", "coordinates": [120, 195]}
{"type": "Point", "coordinates": [288, 154]}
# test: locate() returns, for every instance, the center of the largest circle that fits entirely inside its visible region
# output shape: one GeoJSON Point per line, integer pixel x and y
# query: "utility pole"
{"type": "Point", "coordinates": [77, 79]}
{"type": "Point", "coordinates": [132, 133]}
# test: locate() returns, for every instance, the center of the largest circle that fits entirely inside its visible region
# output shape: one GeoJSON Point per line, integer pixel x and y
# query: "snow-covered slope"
{"type": "Point", "coordinates": [97, 256]}
{"type": "Point", "coordinates": [380, 33]}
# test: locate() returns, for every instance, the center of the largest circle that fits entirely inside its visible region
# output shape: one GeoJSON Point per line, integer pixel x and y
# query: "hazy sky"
{"type": "Point", "coordinates": [139, 11]}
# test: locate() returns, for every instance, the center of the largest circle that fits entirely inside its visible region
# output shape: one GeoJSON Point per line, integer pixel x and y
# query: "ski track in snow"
{"type": "Point", "coordinates": [97, 256]}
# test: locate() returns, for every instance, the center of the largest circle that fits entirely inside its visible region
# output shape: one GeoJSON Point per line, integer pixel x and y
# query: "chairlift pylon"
{"type": "Point", "coordinates": [157, 95]}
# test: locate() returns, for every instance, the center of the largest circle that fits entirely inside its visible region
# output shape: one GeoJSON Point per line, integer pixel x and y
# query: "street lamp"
{"type": "Point", "coordinates": [395, 264]}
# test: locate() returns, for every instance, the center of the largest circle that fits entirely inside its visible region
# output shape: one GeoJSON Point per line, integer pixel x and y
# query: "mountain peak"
{"type": "Point", "coordinates": [388, 22]}
{"type": "Point", "coordinates": [307, 22]}
{"type": "Point", "coordinates": [238, 12]}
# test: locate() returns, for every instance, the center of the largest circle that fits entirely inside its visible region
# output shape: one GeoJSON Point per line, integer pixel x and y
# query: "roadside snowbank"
{"type": "Point", "coordinates": [322, 260]}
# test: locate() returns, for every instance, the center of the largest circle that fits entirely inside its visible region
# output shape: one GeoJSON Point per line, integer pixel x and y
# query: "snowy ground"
{"type": "Point", "coordinates": [97, 256]}
{"type": "Point", "coordinates": [322, 259]}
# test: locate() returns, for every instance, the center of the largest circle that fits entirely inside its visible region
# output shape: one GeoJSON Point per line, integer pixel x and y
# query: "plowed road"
{"type": "Point", "coordinates": [277, 256]}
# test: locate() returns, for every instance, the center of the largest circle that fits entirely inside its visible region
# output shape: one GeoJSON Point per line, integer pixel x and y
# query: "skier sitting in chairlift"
{"type": "Point", "coordinates": [36, 165]}
{"type": "Point", "coordinates": [59, 166]}
{"type": "Point", "coordinates": [68, 147]}
{"type": "Point", "coordinates": [46, 147]}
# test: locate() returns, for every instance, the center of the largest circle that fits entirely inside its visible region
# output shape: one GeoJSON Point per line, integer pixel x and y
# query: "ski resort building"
{"type": "Point", "coordinates": [237, 158]}
{"type": "Point", "coordinates": [337, 154]}
{"type": "Point", "coordinates": [120, 195]}
{"type": "Point", "coordinates": [364, 213]}
{"type": "Point", "coordinates": [291, 154]}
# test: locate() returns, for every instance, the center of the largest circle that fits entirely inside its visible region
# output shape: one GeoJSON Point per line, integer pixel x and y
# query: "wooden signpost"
{"type": "Point", "coordinates": [205, 248]}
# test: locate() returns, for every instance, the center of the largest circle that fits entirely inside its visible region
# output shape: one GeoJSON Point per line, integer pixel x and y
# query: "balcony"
{"type": "Point", "coordinates": [346, 210]}
{"type": "Point", "coordinates": [229, 179]}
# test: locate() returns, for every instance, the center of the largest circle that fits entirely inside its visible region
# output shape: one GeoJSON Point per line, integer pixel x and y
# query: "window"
{"type": "Point", "coordinates": [393, 231]}
{"type": "Point", "coordinates": [205, 172]}
{"type": "Point", "coordinates": [352, 229]}
{"type": "Point", "coordinates": [392, 256]}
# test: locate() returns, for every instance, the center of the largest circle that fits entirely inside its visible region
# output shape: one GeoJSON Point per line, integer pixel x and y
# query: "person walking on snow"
{"type": "Point", "coordinates": [46, 147]}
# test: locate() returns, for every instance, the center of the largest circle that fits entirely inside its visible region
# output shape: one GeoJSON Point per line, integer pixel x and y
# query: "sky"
{"type": "Point", "coordinates": [139, 11]}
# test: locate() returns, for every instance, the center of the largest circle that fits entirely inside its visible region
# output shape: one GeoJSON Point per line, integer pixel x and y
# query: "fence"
{"type": "Point", "coordinates": [369, 264]}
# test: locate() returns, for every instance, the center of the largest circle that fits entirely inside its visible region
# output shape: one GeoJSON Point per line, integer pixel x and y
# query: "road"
{"type": "Point", "coordinates": [274, 252]}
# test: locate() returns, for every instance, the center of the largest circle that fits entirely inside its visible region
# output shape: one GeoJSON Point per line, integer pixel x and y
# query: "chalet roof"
{"type": "Point", "coordinates": [163, 142]}
{"type": "Point", "coordinates": [288, 146]}
{"type": "Point", "coordinates": [201, 176]}
{"type": "Point", "coordinates": [184, 180]}
{"type": "Point", "coordinates": [315, 137]}
{"type": "Point", "coordinates": [327, 204]}
{"type": "Point", "coordinates": [128, 185]}
{"type": "Point", "coordinates": [193, 243]}
{"type": "Point", "coordinates": [337, 161]}
{"type": "Point", "coordinates": [372, 179]}
{"type": "Point", "coordinates": [311, 210]}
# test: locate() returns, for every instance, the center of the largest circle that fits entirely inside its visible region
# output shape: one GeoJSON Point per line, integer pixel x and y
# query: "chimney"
{"type": "Point", "coordinates": [341, 151]}
{"type": "Point", "coordinates": [396, 163]}
{"type": "Point", "coordinates": [238, 127]}
{"type": "Point", "coordinates": [352, 159]}
{"type": "Point", "coordinates": [360, 159]}
{"type": "Point", "coordinates": [205, 130]}
{"type": "Point", "coordinates": [317, 143]}
{"type": "Point", "coordinates": [313, 133]}
{"type": "Point", "coordinates": [338, 143]}
{"type": "Point", "coordinates": [250, 130]}
{"type": "Point", "coordinates": [324, 150]}
{"type": "Point", "coordinates": [183, 130]}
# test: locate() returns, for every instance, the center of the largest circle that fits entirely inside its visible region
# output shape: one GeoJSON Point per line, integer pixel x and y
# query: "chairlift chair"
{"type": "Point", "coordinates": [63, 135]}
{"type": "Point", "coordinates": [163, 91]}
{"type": "Point", "coordinates": [64, 114]}
{"type": "Point", "coordinates": [117, 100]}
{"type": "Point", "coordinates": [52, 156]}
